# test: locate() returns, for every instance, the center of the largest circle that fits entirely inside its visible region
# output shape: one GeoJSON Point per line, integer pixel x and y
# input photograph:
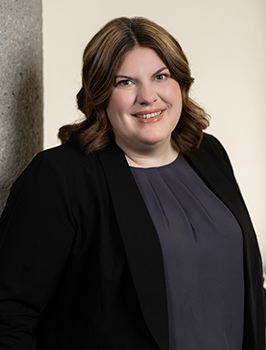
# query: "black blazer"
{"type": "Point", "coordinates": [79, 253]}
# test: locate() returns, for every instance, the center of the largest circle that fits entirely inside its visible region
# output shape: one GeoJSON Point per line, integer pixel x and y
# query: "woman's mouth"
{"type": "Point", "coordinates": [148, 115]}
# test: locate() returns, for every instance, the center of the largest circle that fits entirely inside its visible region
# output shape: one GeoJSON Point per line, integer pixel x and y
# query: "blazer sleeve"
{"type": "Point", "coordinates": [36, 233]}
{"type": "Point", "coordinates": [220, 149]}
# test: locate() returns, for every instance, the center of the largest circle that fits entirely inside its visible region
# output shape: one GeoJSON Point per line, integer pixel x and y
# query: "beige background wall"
{"type": "Point", "coordinates": [225, 44]}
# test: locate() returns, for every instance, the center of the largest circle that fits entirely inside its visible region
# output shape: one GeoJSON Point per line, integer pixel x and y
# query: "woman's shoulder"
{"type": "Point", "coordinates": [65, 165]}
{"type": "Point", "coordinates": [210, 141]}
{"type": "Point", "coordinates": [69, 158]}
{"type": "Point", "coordinates": [210, 146]}
{"type": "Point", "coordinates": [211, 152]}
{"type": "Point", "coordinates": [67, 152]}
{"type": "Point", "coordinates": [59, 172]}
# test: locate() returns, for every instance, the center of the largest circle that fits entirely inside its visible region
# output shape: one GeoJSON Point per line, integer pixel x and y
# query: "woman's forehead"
{"type": "Point", "coordinates": [139, 59]}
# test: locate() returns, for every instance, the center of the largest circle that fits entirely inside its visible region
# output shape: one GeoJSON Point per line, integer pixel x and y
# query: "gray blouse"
{"type": "Point", "coordinates": [202, 249]}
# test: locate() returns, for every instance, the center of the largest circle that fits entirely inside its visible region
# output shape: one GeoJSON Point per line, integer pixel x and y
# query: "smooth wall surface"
{"type": "Point", "coordinates": [225, 44]}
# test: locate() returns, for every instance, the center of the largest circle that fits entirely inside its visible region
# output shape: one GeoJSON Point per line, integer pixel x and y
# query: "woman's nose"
{"type": "Point", "coordinates": [146, 94]}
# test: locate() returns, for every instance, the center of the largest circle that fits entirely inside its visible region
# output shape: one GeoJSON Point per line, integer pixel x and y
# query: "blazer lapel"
{"type": "Point", "coordinates": [141, 242]}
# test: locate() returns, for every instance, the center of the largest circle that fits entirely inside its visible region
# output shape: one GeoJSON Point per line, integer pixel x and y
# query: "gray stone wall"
{"type": "Point", "coordinates": [21, 91]}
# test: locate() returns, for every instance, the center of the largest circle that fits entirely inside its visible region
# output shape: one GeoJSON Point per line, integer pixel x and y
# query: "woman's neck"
{"type": "Point", "coordinates": [152, 157]}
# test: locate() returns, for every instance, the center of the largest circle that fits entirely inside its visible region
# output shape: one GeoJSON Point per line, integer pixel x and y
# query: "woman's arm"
{"type": "Point", "coordinates": [36, 233]}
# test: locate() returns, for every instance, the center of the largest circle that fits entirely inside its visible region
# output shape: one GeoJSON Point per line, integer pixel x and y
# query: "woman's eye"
{"type": "Point", "coordinates": [160, 76]}
{"type": "Point", "coordinates": [124, 82]}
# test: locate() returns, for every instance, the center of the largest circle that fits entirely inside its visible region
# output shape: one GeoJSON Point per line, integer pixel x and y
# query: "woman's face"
{"type": "Point", "coordinates": [145, 105]}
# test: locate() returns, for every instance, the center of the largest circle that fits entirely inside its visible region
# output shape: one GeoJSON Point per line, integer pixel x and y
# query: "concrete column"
{"type": "Point", "coordinates": [21, 91]}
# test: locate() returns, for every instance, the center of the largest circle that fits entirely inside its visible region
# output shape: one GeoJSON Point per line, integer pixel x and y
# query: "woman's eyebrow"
{"type": "Point", "coordinates": [130, 78]}
{"type": "Point", "coordinates": [159, 71]}
{"type": "Point", "coordinates": [123, 76]}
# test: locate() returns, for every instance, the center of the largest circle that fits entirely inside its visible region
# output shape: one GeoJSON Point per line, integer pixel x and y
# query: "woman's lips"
{"type": "Point", "coordinates": [150, 117]}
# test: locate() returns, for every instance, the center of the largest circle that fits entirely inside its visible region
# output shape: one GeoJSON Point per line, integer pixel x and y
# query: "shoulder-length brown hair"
{"type": "Point", "coordinates": [101, 60]}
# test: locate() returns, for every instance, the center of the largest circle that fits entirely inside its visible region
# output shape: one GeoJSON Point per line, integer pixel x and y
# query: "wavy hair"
{"type": "Point", "coordinates": [101, 59]}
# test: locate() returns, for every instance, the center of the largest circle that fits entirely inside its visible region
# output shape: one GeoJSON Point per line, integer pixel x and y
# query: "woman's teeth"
{"type": "Point", "coordinates": [148, 116]}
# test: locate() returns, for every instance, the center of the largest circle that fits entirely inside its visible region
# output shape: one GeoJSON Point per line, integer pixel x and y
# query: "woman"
{"type": "Point", "coordinates": [132, 234]}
